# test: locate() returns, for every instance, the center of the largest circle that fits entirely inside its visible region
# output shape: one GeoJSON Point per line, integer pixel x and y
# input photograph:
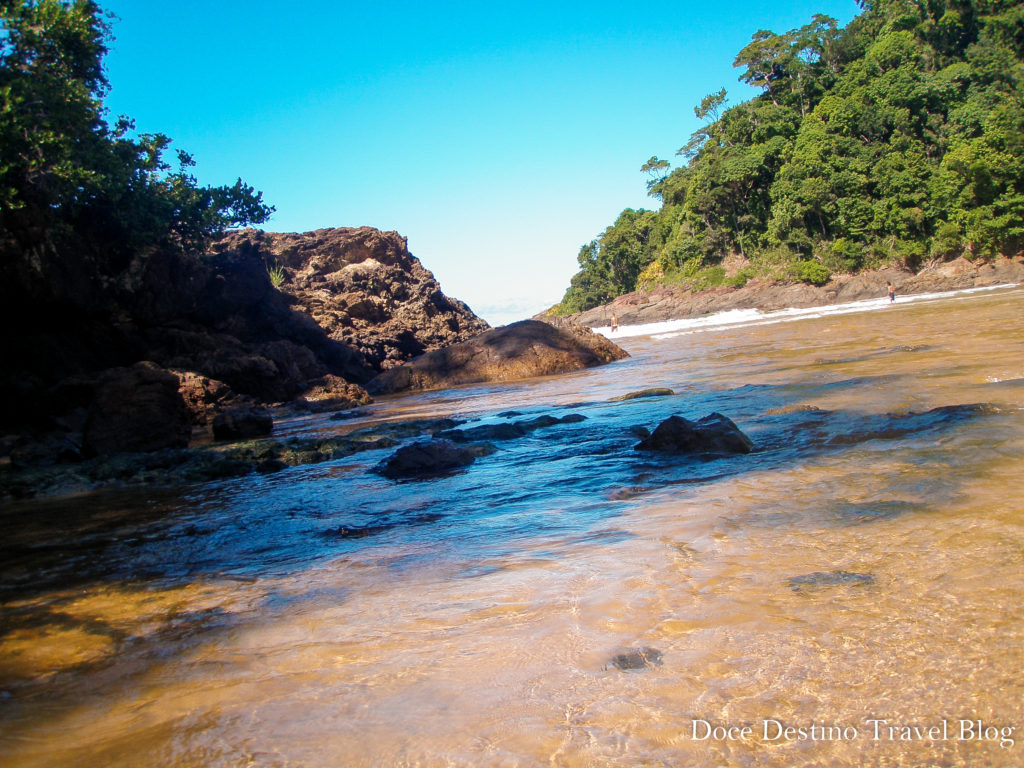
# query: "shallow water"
{"type": "Point", "coordinates": [863, 564]}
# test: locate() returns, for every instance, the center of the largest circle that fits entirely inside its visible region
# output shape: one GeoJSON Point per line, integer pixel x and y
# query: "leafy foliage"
{"type": "Point", "coordinates": [895, 139]}
{"type": "Point", "coordinates": [68, 179]}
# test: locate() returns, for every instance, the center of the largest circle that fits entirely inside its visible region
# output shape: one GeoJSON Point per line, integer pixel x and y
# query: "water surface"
{"type": "Point", "coordinates": [865, 563]}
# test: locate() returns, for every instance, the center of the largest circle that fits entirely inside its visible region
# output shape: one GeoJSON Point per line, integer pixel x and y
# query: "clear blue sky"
{"type": "Point", "coordinates": [498, 137]}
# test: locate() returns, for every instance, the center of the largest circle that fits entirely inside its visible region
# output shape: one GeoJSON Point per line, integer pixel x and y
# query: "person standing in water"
{"type": "Point", "coordinates": [615, 323]}
{"type": "Point", "coordinates": [892, 291]}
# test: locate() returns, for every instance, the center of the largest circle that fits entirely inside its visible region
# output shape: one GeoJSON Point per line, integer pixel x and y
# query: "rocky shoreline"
{"type": "Point", "coordinates": [673, 303]}
{"type": "Point", "coordinates": [123, 376]}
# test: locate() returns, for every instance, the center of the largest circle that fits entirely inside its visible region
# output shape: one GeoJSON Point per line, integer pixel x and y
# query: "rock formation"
{"type": "Point", "coordinates": [430, 458]}
{"type": "Point", "coordinates": [363, 287]}
{"type": "Point", "coordinates": [136, 409]}
{"type": "Point", "coordinates": [352, 302]}
{"type": "Point", "coordinates": [714, 433]}
{"type": "Point", "coordinates": [517, 351]}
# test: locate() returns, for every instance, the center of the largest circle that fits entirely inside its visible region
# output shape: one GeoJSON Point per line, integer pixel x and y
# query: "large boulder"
{"type": "Point", "coordinates": [430, 458]}
{"type": "Point", "coordinates": [517, 351]}
{"type": "Point", "coordinates": [714, 433]}
{"type": "Point", "coordinates": [136, 409]}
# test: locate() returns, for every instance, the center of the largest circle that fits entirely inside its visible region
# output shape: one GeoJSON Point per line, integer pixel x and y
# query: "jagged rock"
{"type": "Point", "coordinates": [517, 351]}
{"type": "Point", "coordinates": [364, 288]}
{"type": "Point", "coordinates": [655, 392]}
{"type": "Point", "coordinates": [242, 422]}
{"type": "Point", "coordinates": [430, 458]}
{"type": "Point", "coordinates": [137, 409]}
{"type": "Point", "coordinates": [714, 433]}
{"type": "Point", "coordinates": [203, 396]}
{"type": "Point", "coordinates": [332, 393]}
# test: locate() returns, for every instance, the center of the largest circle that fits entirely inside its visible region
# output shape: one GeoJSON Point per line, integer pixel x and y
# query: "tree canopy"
{"type": "Point", "coordinates": [69, 179]}
{"type": "Point", "coordinates": [899, 138]}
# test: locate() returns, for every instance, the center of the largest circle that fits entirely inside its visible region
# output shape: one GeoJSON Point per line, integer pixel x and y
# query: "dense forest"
{"type": "Point", "coordinates": [897, 139]}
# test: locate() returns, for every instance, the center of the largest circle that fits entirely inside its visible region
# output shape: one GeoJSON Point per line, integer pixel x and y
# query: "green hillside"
{"type": "Point", "coordinates": [897, 139]}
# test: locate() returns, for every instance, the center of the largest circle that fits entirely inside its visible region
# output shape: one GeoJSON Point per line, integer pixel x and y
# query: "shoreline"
{"type": "Point", "coordinates": [675, 303]}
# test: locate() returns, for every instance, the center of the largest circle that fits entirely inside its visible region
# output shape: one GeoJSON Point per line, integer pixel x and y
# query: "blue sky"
{"type": "Point", "coordinates": [497, 137]}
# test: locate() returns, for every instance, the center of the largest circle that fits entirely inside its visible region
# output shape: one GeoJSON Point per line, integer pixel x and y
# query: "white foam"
{"type": "Point", "coordinates": [738, 318]}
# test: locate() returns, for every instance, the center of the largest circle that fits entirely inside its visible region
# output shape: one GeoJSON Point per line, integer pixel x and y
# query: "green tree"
{"type": "Point", "coordinates": [67, 177]}
{"type": "Point", "coordinates": [655, 169]}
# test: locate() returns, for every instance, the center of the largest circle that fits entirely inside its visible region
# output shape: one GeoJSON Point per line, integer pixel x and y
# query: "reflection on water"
{"type": "Point", "coordinates": [865, 563]}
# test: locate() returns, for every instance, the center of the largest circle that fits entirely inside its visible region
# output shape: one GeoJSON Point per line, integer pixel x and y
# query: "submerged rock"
{"type": "Point", "coordinates": [572, 418]}
{"type": "Point", "coordinates": [269, 466]}
{"type": "Point", "coordinates": [358, 413]}
{"type": "Point", "coordinates": [820, 579]}
{"type": "Point", "coordinates": [508, 430]}
{"type": "Point", "coordinates": [714, 433]}
{"type": "Point", "coordinates": [517, 351]}
{"type": "Point", "coordinates": [483, 432]}
{"type": "Point", "coordinates": [636, 658]}
{"type": "Point", "coordinates": [655, 392]}
{"type": "Point", "coordinates": [430, 458]}
{"type": "Point", "coordinates": [892, 426]}
{"type": "Point", "coordinates": [242, 422]}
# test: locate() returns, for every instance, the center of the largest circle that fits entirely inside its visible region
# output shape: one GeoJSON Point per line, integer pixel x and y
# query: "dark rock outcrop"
{"type": "Point", "coordinates": [430, 458]}
{"type": "Point", "coordinates": [135, 410]}
{"type": "Point", "coordinates": [517, 351]}
{"type": "Point", "coordinates": [714, 433]}
{"type": "Point", "coordinates": [352, 303]}
{"type": "Point", "coordinates": [242, 422]}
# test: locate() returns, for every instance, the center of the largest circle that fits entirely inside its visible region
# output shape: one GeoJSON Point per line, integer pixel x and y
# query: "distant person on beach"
{"type": "Point", "coordinates": [615, 323]}
{"type": "Point", "coordinates": [892, 291]}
